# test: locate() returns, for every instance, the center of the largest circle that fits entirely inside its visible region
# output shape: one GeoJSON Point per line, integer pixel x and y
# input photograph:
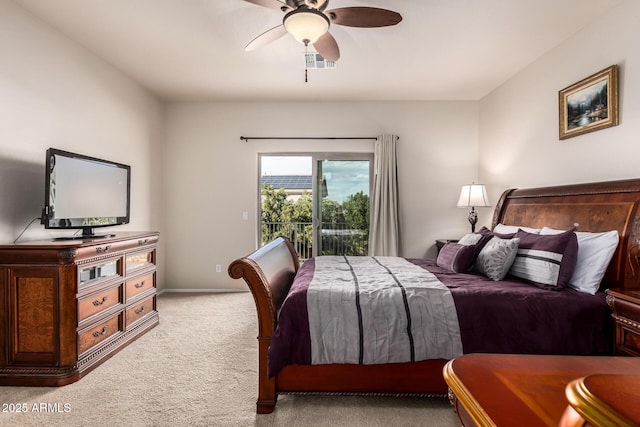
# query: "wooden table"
{"type": "Point", "coordinates": [508, 390]}
{"type": "Point", "coordinates": [603, 400]}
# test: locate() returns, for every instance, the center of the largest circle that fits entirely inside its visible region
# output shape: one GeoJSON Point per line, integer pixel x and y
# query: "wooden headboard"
{"type": "Point", "coordinates": [593, 207]}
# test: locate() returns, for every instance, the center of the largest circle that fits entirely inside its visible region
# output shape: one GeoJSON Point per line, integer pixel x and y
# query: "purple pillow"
{"type": "Point", "coordinates": [457, 258]}
{"type": "Point", "coordinates": [486, 232]}
{"type": "Point", "coordinates": [547, 263]}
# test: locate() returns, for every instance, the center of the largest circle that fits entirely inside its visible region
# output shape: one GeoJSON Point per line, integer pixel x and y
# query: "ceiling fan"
{"type": "Point", "coordinates": [308, 22]}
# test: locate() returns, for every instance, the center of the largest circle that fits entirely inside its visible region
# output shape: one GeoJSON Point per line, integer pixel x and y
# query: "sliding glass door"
{"type": "Point", "coordinates": [342, 206]}
{"type": "Point", "coordinates": [320, 201]}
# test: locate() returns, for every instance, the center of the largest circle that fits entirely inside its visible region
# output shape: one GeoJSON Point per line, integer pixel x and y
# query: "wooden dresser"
{"type": "Point", "coordinates": [67, 306]}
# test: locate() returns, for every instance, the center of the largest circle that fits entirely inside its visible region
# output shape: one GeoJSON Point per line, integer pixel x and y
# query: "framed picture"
{"type": "Point", "coordinates": [590, 104]}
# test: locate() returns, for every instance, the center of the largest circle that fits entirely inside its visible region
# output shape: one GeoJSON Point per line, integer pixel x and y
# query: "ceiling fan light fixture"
{"type": "Point", "coordinates": [306, 25]}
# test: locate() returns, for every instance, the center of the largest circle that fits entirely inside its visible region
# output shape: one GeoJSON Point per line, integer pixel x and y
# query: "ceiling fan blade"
{"type": "Point", "coordinates": [364, 17]}
{"type": "Point", "coordinates": [327, 47]}
{"type": "Point", "coordinates": [274, 4]}
{"type": "Point", "coordinates": [267, 37]}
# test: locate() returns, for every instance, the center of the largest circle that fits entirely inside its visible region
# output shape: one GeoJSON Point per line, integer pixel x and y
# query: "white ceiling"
{"type": "Point", "coordinates": [442, 49]}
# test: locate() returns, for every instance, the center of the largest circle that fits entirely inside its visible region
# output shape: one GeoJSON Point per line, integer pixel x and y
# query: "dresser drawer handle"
{"type": "Point", "coordinates": [140, 310]}
{"type": "Point", "coordinates": [142, 242]}
{"type": "Point", "coordinates": [102, 332]}
{"type": "Point", "coordinates": [103, 250]}
{"type": "Point", "coordinates": [98, 302]}
{"type": "Point", "coordinates": [139, 285]}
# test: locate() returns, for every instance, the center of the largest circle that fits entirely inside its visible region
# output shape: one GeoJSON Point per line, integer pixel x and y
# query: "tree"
{"type": "Point", "coordinates": [274, 203]}
{"type": "Point", "coordinates": [300, 216]}
{"type": "Point", "coordinates": [356, 211]}
{"type": "Point", "coordinates": [300, 211]}
{"type": "Point", "coordinates": [283, 217]}
{"type": "Point", "coordinates": [332, 212]}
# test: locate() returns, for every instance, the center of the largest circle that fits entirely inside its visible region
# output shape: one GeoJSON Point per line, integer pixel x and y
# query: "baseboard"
{"type": "Point", "coordinates": [204, 291]}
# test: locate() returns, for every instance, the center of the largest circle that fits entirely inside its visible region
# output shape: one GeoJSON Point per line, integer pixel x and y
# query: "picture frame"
{"type": "Point", "coordinates": [590, 104]}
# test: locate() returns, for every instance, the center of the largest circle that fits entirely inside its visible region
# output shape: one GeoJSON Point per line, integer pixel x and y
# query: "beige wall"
{"type": "Point", "coordinates": [519, 144]}
{"type": "Point", "coordinates": [212, 177]}
{"type": "Point", "coordinates": [54, 93]}
{"type": "Point", "coordinates": [195, 187]}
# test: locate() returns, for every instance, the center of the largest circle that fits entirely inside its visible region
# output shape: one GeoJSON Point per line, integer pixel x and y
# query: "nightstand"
{"type": "Point", "coordinates": [441, 242]}
{"type": "Point", "coordinates": [625, 307]}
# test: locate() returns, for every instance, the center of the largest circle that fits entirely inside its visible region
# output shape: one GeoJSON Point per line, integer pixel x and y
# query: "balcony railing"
{"type": "Point", "coordinates": [336, 238]}
{"type": "Point", "coordinates": [299, 233]}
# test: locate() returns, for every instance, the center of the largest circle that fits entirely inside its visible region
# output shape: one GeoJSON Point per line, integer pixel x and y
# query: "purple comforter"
{"type": "Point", "coordinates": [509, 316]}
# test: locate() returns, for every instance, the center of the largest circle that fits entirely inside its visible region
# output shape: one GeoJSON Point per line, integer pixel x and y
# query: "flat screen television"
{"type": "Point", "coordinates": [85, 192]}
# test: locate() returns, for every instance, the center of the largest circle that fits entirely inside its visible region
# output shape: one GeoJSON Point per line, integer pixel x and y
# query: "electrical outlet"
{"type": "Point", "coordinates": [218, 268]}
{"type": "Point", "coordinates": [245, 215]}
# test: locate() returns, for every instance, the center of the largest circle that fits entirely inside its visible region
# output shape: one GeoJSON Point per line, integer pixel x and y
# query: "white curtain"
{"type": "Point", "coordinates": [384, 229]}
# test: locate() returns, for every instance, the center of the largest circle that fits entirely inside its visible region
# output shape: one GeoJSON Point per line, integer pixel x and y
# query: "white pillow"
{"type": "Point", "coordinates": [508, 229]}
{"type": "Point", "coordinates": [470, 239]}
{"type": "Point", "coordinates": [595, 251]}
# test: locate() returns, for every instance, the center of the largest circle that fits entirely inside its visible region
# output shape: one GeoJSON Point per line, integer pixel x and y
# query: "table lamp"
{"type": "Point", "coordinates": [473, 195]}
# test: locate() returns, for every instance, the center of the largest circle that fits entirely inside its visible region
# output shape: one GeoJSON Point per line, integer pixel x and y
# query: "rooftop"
{"type": "Point", "coordinates": [290, 182]}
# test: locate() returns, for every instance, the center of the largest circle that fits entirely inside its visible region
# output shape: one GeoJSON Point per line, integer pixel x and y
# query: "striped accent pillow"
{"type": "Point", "coordinates": [546, 261]}
{"type": "Point", "coordinates": [456, 257]}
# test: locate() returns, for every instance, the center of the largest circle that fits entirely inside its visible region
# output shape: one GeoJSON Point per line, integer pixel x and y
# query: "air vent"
{"type": "Point", "coordinates": [316, 61]}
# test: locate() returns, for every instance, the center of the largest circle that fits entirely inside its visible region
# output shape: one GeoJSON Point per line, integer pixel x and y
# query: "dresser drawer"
{"type": "Point", "coordinates": [627, 340]}
{"type": "Point", "coordinates": [626, 309]}
{"type": "Point", "coordinates": [139, 285]}
{"type": "Point", "coordinates": [95, 273]}
{"type": "Point", "coordinates": [139, 310]}
{"type": "Point", "coordinates": [99, 302]}
{"type": "Point", "coordinates": [139, 260]}
{"type": "Point", "coordinates": [98, 333]}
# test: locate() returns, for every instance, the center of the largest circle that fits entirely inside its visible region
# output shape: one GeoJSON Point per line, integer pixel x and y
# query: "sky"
{"type": "Point", "coordinates": [286, 165]}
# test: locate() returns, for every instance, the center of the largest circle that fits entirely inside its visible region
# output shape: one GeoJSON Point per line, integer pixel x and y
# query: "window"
{"type": "Point", "coordinates": [319, 201]}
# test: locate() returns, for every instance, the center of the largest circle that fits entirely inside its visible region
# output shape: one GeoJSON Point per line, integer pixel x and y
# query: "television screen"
{"type": "Point", "coordinates": [85, 192]}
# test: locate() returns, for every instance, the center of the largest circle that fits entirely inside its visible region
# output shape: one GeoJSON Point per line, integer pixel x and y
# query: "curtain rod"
{"type": "Point", "coordinates": [247, 138]}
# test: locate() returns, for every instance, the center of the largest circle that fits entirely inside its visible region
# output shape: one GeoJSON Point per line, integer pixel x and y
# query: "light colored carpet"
{"type": "Point", "coordinates": [198, 368]}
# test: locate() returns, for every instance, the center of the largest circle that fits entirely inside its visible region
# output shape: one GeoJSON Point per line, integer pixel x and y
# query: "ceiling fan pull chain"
{"type": "Point", "coordinates": [306, 51]}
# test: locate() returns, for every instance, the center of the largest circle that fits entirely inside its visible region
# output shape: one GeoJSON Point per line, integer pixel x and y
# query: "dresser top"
{"type": "Point", "coordinates": [80, 242]}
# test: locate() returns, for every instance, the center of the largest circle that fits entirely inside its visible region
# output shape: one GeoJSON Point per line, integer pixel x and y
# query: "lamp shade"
{"type": "Point", "coordinates": [306, 25]}
{"type": "Point", "coordinates": [473, 195]}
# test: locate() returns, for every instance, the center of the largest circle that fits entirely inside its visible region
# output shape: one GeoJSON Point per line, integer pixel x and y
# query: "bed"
{"type": "Point", "coordinates": [270, 273]}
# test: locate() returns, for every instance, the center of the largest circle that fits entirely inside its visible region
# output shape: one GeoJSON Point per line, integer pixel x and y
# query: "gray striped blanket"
{"type": "Point", "coordinates": [372, 310]}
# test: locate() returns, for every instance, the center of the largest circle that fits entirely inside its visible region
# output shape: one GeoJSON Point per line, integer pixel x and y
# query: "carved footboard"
{"type": "Point", "coordinates": [268, 272]}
